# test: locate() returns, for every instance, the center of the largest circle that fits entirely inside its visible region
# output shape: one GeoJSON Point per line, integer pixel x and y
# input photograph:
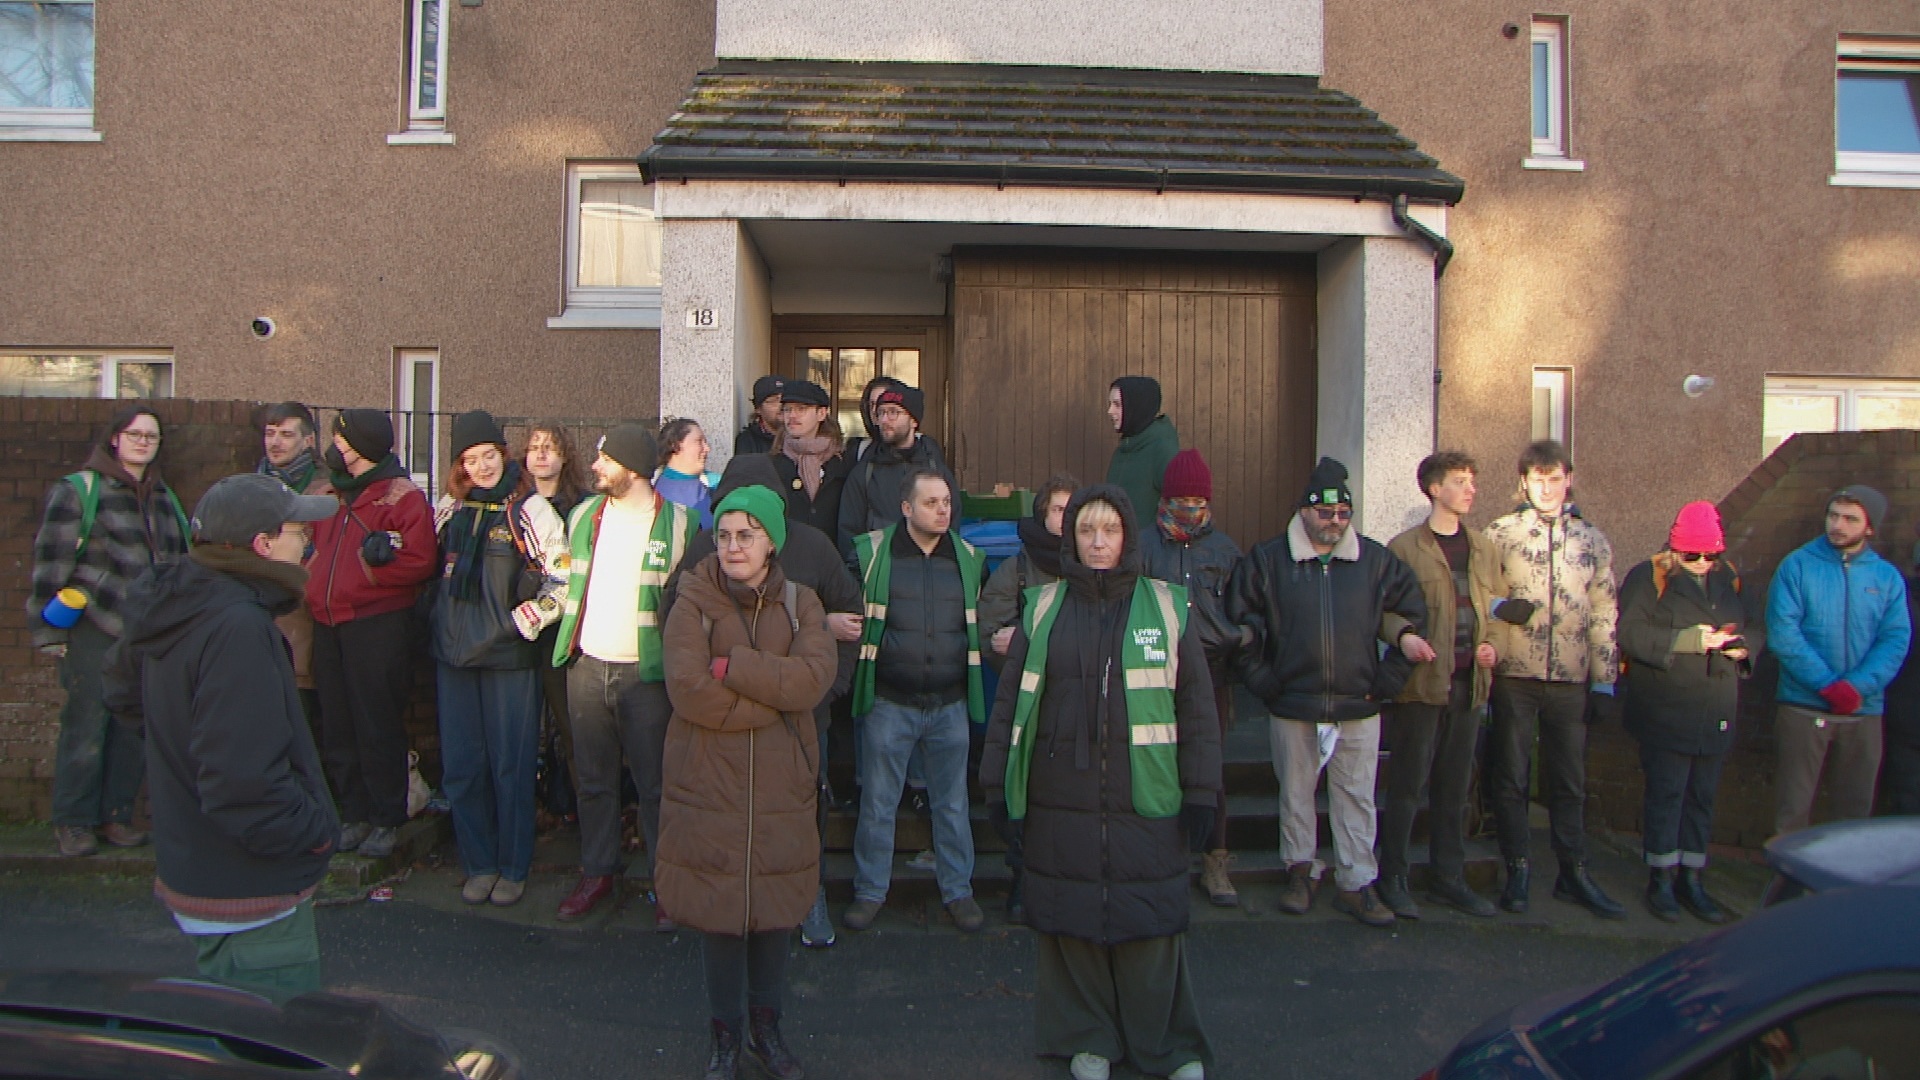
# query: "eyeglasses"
{"type": "Point", "coordinates": [890, 412]}
{"type": "Point", "coordinates": [1699, 556]}
{"type": "Point", "coordinates": [1333, 513]}
{"type": "Point", "coordinates": [141, 436]}
{"type": "Point", "coordinates": [743, 539]}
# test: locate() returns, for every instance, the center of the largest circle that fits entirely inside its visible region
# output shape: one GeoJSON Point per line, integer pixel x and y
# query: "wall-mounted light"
{"type": "Point", "coordinates": [1510, 31]}
{"type": "Point", "coordinates": [1695, 385]}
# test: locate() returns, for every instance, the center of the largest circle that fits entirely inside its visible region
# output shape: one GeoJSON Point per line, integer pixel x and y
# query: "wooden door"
{"type": "Point", "coordinates": [1038, 336]}
{"type": "Point", "coordinates": [843, 353]}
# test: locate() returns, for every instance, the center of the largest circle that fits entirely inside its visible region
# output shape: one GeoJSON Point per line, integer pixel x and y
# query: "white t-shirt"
{"type": "Point", "coordinates": [610, 626]}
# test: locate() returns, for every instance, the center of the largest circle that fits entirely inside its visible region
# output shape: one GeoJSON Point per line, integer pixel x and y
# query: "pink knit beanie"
{"type": "Point", "coordinates": [1697, 529]}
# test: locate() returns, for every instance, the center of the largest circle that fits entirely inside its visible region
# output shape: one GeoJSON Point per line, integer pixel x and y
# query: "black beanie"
{"type": "Point", "coordinates": [368, 431]}
{"type": "Point", "coordinates": [746, 470]}
{"type": "Point", "coordinates": [633, 446]}
{"type": "Point", "coordinates": [907, 397]}
{"type": "Point", "coordinates": [476, 428]}
{"type": "Point", "coordinates": [1139, 403]}
{"type": "Point", "coordinates": [1327, 485]}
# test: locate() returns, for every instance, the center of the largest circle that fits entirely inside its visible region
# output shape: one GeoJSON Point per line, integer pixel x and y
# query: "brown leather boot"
{"type": "Point", "coordinates": [1214, 879]}
{"type": "Point", "coordinates": [1296, 897]}
{"type": "Point", "coordinates": [120, 834]}
{"type": "Point", "coordinates": [767, 1048]}
{"type": "Point", "coordinates": [75, 841]}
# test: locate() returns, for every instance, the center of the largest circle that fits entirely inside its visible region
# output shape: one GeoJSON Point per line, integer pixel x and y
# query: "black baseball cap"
{"type": "Point", "coordinates": [238, 508]}
{"type": "Point", "coordinates": [767, 386]}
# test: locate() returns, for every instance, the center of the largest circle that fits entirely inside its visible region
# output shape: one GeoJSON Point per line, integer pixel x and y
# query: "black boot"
{"type": "Point", "coordinates": [724, 1062]}
{"type": "Point", "coordinates": [1576, 885]}
{"type": "Point", "coordinates": [1660, 894]}
{"type": "Point", "coordinates": [1519, 877]}
{"type": "Point", "coordinates": [1692, 894]}
{"type": "Point", "coordinates": [767, 1048]}
{"type": "Point", "coordinates": [1016, 898]}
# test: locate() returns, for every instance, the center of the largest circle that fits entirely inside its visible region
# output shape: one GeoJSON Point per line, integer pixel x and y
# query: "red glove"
{"type": "Point", "coordinates": [1842, 698]}
{"type": "Point", "coordinates": [720, 671]}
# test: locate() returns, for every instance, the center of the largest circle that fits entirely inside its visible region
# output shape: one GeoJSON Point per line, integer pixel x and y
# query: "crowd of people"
{"type": "Point", "coordinates": [682, 642]}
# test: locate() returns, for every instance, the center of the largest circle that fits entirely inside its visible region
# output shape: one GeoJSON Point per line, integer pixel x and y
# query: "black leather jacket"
{"type": "Point", "coordinates": [1203, 565]}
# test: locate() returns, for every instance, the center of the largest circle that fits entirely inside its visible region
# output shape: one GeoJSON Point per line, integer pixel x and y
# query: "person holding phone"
{"type": "Point", "coordinates": [1688, 638]}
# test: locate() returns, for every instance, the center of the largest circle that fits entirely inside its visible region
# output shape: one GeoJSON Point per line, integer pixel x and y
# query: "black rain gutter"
{"type": "Point", "coordinates": [1442, 247]}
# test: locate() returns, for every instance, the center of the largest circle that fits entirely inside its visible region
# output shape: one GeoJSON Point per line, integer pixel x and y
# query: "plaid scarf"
{"type": "Point", "coordinates": [296, 474]}
{"type": "Point", "coordinates": [1183, 524]}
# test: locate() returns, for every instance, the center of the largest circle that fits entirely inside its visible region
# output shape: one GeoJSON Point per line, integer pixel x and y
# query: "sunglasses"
{"type": "Point", "coordinates": [1332, 513]}
{"type": "Point", "coordinates": [1699, 556]}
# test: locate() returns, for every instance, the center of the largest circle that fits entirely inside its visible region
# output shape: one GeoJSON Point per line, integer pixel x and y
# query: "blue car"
{"type": "Point", "coordinates": [1825, 987]}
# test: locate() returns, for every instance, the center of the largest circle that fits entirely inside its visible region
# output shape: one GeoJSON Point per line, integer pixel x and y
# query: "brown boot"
{"type": "Point", "coordinates": [1364, 904]}
{"type": "Point", "coordinates": [1296, 897]}
{"type": "Point", "coordinates": [120, 834]}
{"type": "Point", "coordinates": [75, 841]}
{"type": "Point", "coordinates": [1214, 880]}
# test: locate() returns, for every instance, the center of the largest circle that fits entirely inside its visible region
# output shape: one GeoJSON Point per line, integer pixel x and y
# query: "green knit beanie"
{"type": "Point", "coordinates": [763, 505]}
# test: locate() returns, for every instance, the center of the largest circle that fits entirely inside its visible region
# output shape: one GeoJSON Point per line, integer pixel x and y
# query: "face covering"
{"type": "Point", "coordinates": [1183, 523]}
{"type": "Point", "coordinates": [335, 460]}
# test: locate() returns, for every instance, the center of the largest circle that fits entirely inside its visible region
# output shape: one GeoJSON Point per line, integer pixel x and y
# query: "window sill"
{"type": "Point", "coordinates": [1553, 164]}
{"type": "Point", "coordinates": [1876, 180]}
{"type": "Point", "coordinates": [420, 138]}
{"type": "Point", "coordinates": [48, 134]}
{"type": "Point", "coordinates": [606, 319]}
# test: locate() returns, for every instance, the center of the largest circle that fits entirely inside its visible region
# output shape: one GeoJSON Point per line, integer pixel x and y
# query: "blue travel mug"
{"type": "Point", "coordinates": [64, 609]}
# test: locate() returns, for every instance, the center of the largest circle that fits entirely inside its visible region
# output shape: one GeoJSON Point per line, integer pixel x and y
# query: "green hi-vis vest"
{"type": "Point", "coordinates": [673, 529]}
{"type": "Point", "coordinates": [875, 550]}
{"type": "Point", "coordinates": [1150, 667]}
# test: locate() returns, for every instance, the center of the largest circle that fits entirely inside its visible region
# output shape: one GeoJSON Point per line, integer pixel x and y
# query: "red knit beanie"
{"type": "Point", "coordinates": [1187, 477]}
{"type": "Point", "coordinates": [1697, 529]}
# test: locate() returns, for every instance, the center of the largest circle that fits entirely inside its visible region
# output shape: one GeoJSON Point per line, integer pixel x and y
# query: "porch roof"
{"type": "Point", "coordinates": [1083, 127]}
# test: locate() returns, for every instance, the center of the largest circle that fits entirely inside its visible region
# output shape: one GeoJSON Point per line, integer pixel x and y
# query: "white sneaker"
{"type": "Point", "coordinates": [923, 861]}
{"type": "Point", "coordinates": [1090, 1067]}
{"type": "Point", "coordinates": [1192, 1070]}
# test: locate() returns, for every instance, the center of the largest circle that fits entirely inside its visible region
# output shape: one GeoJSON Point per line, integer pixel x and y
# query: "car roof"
{"type": "Point", "coordinates": [1646, 1019]}
{"type": "Point", "coordinates": [1840, 853]}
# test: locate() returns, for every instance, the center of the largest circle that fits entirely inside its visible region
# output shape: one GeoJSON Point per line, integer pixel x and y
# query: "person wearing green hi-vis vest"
{"type": "Point", "coordinates": [625, 542]}
{"type": "Point", "coordinates": [1102, 768]}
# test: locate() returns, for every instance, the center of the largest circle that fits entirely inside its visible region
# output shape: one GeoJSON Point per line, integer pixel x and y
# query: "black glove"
{"type": "Point", "coordinates": [1009, 831]}
{"type": "Point", "coordinates": [377, 549]}
{"type": "Point", "coordinates": [1197, 820]}
{"type": "Point", "coordinates": [1516, 612]}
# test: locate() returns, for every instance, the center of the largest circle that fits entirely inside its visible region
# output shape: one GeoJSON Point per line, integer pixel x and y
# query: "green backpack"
{"type": "Point", "coordinates": [86, 483]}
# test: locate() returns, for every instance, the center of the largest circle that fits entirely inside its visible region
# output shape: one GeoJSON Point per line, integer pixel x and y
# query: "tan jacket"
{"type": "Point", "coordinates": [739, 850]}
{"type": "Point", "coordinates": [297, 625]}
{"type": "Point", "coordinates": [1431, 682]}
{"type": "Point", "coordinates": [1565, 566]}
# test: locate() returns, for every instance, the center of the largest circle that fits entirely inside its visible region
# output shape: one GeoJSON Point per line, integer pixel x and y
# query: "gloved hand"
{"type": "Point", "coordinates": [1514, 612]}
{"type": "Point", "coordinates": [1009, 831]}
{"type": "Point", "coordinates": [1197, 821]}
{"type": "Point", "coordinates": [1602, 705]}
{"type": "Point", "coordinates": [1841, 697]}
{"type": "Point", "coordinates": [526, 619]}
{"type": "Point", "coordinates": [379, 549]}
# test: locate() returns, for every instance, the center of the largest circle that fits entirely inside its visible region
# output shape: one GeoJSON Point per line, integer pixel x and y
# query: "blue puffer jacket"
{"type": "Point", "coordinates": [1830, 619]}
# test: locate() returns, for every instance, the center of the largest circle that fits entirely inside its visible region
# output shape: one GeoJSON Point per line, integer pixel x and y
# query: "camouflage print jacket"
{"type": "Point", "coordinates": [1565, 566]}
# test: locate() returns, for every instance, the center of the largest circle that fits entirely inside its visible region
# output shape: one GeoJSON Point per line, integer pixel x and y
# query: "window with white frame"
{"type": "Point", "coordinates": [1796, 404]}
{"type": "Point", "coordinates": [1553, 404]}
{"type": "Point", "coordinates": [1876, 112]}
{"type": "Point", "coordinates": [46, 70]}
{"type": "Point", "coordinates": [416, 403]}
{"type": "Point", "coordinates": [86, 373]}
{"type": "Point", "coordinates": [613, 249]}
{"type": "Point", "coordinates": [426, 78]}
{"type": "Point", "coordinates": [1551, 113]}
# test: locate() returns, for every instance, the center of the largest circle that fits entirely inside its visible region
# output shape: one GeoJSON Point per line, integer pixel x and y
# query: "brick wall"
{"type": "Point", "coordinates": [1781, 505]}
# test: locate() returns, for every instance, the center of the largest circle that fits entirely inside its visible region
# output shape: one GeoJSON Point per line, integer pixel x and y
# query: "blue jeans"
{"type": "Point", "coordinates": [890, 734]}
{"type": "Point", "coordinates": [489, 739]}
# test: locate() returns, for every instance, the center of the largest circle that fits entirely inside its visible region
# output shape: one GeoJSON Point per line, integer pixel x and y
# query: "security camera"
{"type": "Point", "coordinates": [262, 327]}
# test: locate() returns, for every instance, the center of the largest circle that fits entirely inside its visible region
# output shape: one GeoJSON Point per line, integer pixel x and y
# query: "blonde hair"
{"type": "Point", "coordinates": [1097, 512]}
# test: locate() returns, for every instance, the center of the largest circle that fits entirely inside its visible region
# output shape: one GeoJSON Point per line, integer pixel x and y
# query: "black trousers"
{"type": "Point", "coordinates": [744, 972]}
{"type": "Point", "coordinates": [1900, 756]}
{"type": "Point", "coordinates": [1677, 810]}
{"type": "Point", "coordinates": [1555, 714]}
{"type": "Point", "coordinates": [363, 671]}
{"type": "Point", "coordinates": [1432, 762]}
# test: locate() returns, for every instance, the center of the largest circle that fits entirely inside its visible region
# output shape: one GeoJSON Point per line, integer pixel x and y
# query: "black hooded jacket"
{"type": "Point", "coordinates": [240, 806]}
{"type": "Point", "coordinates": [1095, 869]}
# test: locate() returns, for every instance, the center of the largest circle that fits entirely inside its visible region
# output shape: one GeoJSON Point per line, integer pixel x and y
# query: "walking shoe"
{"type": "Point", "coordinates": [1192, 1070]}
{"type": "Point", "coordinates": [1660, 899]}
{"type": "Point", "coordinates": [1457, 895]}
{"type": "Point", "coordinates": [1575, 885]}
{"type": "Point", "coordinates": [508, 893]}
{"type": "Point", "coordinates": [1090, 1067]}
{"type": "Point", "coordinates": [1692, 894]}
{"type": "Point", "coordinates": [816, 931]}
{"type": "Point", "coordinates": [1214, 879]}
{"type": "Point", "coordinates": [923, 861]}
{"type": "Point", "coordinates": [860, 914]}
{"type": "Point", "coordinates": [662, 922]}
{"type": "Point", "coordinates": [1519, 877]}
{"type": "Point", "coordinates": [352, 835]}
{"type": "Point", "coordinates": [1394, 894]}
{"type": "Point", "coordinates": [967, 914]}
{"type": "Point", "coordinates": [723, 1063]}
{"type": "Point", "coordinates": [585, 896]}
{"type": "Point", "coordinates": [1364, 904]}
{"type": "Point", "coordinates": [767, 1048]}
{"type": "Point", "coordinates": [478, 888]}
{"type": "Point", "coordinates": [379, 843]}
{"type": "Point", "coordinates": [120, 834]}
{"type": "Point", "coordinates": [75, 841]}
{"type": "Point", "coordinates": [1296, 896]}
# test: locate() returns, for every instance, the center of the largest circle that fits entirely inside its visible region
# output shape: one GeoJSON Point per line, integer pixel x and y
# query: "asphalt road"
{"type": "Point", "coordinates": [1320, 998]}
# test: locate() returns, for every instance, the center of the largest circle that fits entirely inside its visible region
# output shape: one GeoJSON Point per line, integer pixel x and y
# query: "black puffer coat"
{"type": "Point", "coordinates": [1675, 697]}
{"type": "Point", "coordinates": [1095, 869]}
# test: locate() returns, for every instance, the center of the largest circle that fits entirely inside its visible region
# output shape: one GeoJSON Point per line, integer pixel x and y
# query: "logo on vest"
{"type": "Point", "coordinates": [1147, 638]}
{"type": "Point", "coordinates": [655, 548]}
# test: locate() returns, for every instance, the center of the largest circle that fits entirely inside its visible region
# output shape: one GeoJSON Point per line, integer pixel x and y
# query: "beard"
{"type": "Point", "coordinates": [1326, 535]}
{"type": "Point", "coordinates": [615, 486]}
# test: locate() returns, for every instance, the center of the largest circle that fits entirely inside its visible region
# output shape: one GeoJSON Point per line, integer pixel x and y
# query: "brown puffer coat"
{"type": "Point", "coordinates": [739, 850]}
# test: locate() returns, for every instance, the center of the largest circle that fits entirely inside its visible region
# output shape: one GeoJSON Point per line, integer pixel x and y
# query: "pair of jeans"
{"type": "Point", "coordinates": [489, 740]}
{"type": "Point", "coordinates": [1677, 808]}
{"type": "Point", "coordinates": [1432, 760]}
{"type": "Point", "coordinates": [744, 973]}
{"type": "Point", "coordinates": [100, 761]}
{"type": "Point", "coordinates": [280, 960]}
{"type": "Point", "coordinates": [1807, 741]}
{"type": "Point", "coordinates": [363, 670]}
{"type": "Point", "coordinates": [1350, 779]}
{"type": "Point", "coordinates": [890, 734]}
{"type": "Point", "coordinates": [1555, 713]}
{"type": "Point", "coordinates": [615, 714]}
